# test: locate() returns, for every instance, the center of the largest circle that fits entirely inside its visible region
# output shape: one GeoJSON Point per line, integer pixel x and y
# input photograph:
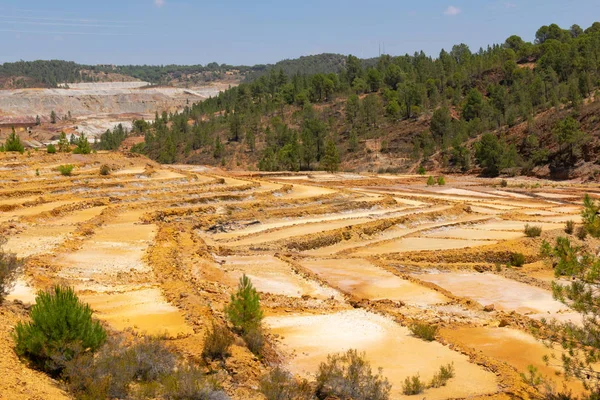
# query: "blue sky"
{"type": "Point", "coordinates": [265, 31]}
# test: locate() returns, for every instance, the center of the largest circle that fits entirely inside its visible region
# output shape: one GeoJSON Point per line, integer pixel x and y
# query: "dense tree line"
{"type": "Point", "coordinates": [465, 93]}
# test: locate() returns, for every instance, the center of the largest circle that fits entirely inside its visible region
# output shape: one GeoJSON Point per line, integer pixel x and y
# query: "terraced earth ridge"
{"type": "Point", "coordinates": [340, 260]}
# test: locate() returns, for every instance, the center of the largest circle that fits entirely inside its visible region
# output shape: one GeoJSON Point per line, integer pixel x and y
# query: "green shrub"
{"type": "Point", "coordinates": [545, 249]}
{"type": "Point", "coordinates": [65, 169]}
{"type": "Point", "coordinates": [517, 259]}
{"type": "Point", "coordinates": [83, 145]}
{"type": "Point", "coordinates": [254, 338]}
{"type": "Point", "coordinates": [430, 181]}
{"type": "Point", "coordinates": [104, 170]}
{"type": "Point", "coordinates": [441, 181]}
{"type": "Point", "coordinates": [279, 384]}
{"type": "Point", "coordinates": [424, 330]}
{"type": "Point", "coordinates": [421, 170]}
{"type": "Point", "coordinates": [503, 183]}
{"type": "Point", "coordinates": [532, 231]}
{"type": "Point", "coordinates": [61, 326]}
{"type": "Point", "coordinates": [13, 143]}
{"type": "Point", "coordinates": [244, 310]}
{"type": "Point", "coordinates": [10, 268]}
{"type": "Point", "coordinates": [581, 233]}
{"type": "Point", "coordinates": [190, 383]}
{"type": "Point", "coordinates": [349, 376]}
{"type": "Point", "coordinates": [442, 377]}
{"type": "Point", "coordinates": [413, 385]}
{"type": "Point", "coordinates": [570, 227]}
{"type": "Point", "coordinates": [217, 341]}
{"type": "Point", "coordinates": [51, 149]}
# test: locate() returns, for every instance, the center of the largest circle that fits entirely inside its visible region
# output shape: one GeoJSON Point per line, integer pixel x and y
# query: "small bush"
{"type": "Point", "coordinates": [83, 145]}
{"type": "Point", "coordinates": [217, 342]}
{"type": "Point", "coordinates": [413, 385]}
{"type": "Point", "coordinates": [61, 326]}
{"type": "Point", "coordinates": [581, 233]}
{"type": "Point", "coordinates": [424, 331]}
{"type": "Point", "coordinates": [10, 268]}
{"type": "Point", "coordinates": [104, 170]}
{"type": "Point", "coordinates": [533, 231]}
{"type": "Point", "coordinates": [421, 170]}
{"type": "Point", "coordinates": [517, 259]}
{"type": "Point", "coordinates": [570, 227]}
{"type": "Point", "coordinates": [503, 183]}
{"type": "Point", "coordinates": [349, 376]}
{"type": "Point", "coordinates": [51, 149]}
{"type": "Point", "coordinates": [442, 377]}
{"type": "Point", "coordinates": [190, 383]}
{"type": "Point", "coordinates": [430, 181]}
{"type": "Point", "coordinates": [281, 385]}
{"type": "Point", "coordinates": [255, 340]}
{"type": "Point", "coordinates": [13, 143]}
{"type": "Point", "coordinates": [441, 181]}
{"type": "Point", "coordinates": [65, 169]}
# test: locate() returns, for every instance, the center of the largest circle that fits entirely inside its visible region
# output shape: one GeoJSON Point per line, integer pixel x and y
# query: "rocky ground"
{"type": "Point", "coordinates": [341, 261]}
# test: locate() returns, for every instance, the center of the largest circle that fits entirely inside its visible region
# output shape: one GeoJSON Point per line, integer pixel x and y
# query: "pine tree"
{"type": "Point", "coordinates": [53, 117]}
{"type": "Point", "coordinates": [244, 308]}
{"type": "Point", "coordinates": [38, 121]}
{"type": "Point", "coordinates": [63, 143]}
{"type": "Point", "coordinates": [13, 143]}
{"type": "Point", "coordinates": [331, 159]}
{"type": "Point", "coordinates": [83, 145]}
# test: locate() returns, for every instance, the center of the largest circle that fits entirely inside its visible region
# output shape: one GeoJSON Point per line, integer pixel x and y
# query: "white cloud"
{"type": "Point", "coordinates": [451, 10]}
{"type": "Point", "coordinates": [159, 3]}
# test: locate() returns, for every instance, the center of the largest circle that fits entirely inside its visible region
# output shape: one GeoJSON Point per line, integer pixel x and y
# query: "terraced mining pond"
{"type": "Point", "coordinates": [340, 261]}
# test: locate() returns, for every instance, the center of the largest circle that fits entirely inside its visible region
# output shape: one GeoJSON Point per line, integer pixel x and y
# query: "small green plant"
{"type": "Point", "coordinates": [51, 149]}
{"type": "Point", "coordinates": [13, 143]}
{"type": "Point", "coordinates": [413, 385]}
{"type": "Point", "coordinates": [430, 181]}
{"type": "Point", "coordinates": [104, 170]}
{"type": "Point", "coordinates": [533, 377]}
{"type": "Point", "coordinates": [517, 259]}
{"type": "Point", "coordinates": [37, 172]}
{"type": "Point", "coordinates": [65, 169]}
{"type": "Point", "coordinates": [441, 181]}
{"type": "Point", "coordinates": [442, 377]}
{"type": "Point", "coordinates": [244, 309]}
{"type": "Point", "coordinates": [570, 227]}
{"type": "Point", "coordinates": [532, 230]}
{"type": "Point", "coordinates": [349, 376]}
{"type": "Point", "coordinates": [83, 145]}
{"type": "Point", "coordinates": [424, 330]}
{"type": "Point", "coordinates": [421, 170]}
{"type": "Point", "coordinates": [279, 384]}
{"type": "Point", "coordinates": [217, 341]}
{"type": "Point", "coordinates": [61, 326]}
{"type": "Point", "coordinates": [10, 268]}
{"type": "Point", "coordinates": [581, 233]}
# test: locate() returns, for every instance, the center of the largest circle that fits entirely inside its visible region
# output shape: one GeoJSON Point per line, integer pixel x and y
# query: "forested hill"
{"type": "Point", "coordinates": [54, 72]}
{"type": "Point", "coordinates": [519, 107]}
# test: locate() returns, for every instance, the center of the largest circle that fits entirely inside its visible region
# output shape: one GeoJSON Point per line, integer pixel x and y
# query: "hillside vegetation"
{"type": "Point", "coordinates": [516, 107]}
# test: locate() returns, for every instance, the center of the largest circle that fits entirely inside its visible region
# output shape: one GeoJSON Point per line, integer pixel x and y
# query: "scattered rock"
{"type": "Point", "coordinates": [489, 308]}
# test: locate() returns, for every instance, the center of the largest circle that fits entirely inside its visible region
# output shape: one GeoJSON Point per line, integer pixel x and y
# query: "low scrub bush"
{"type": "Point", "coordinates": [279, 384]}
{"type": "Point", "coordinates": [545, 249]}
{"type": "Point", "coordinates": [51, 149]}
{"type": "Point", "coordinates": [349, 376]}
{"type": "Point", "coordinates": [13, 143]}
{"type": "Point", "coordinates": [441, 181]}
{"type": "Point", "coordinates": [61, 327]}
{"type": "Point", "coordinates": [10, 267]}
{"type": "Point", "coordinates": [413, 385]}
{"type": "Point", "coordinates": [570, 227]}
{"type": "Point", "coordinates": [424, 331]}
{"type": "Point", "coordinates": [255, 339]}
{"type": "Point", "coordinates": [104, 170]}
{"type": "Point", "coordinates": [430, 181]}
{"type": "Point", "coordinates": [421, 170]}
{"type": "Point", "coordinates": [517, 259]}
{"type": "Point", "coordinates": [65, 169]}
{"type": "Point", "coordinates": [442, 377]}
{"type": "Point", "coordinates": [190, 383]}
{"type": "Point", "coordinates": [533, 231]}
{"type": "Point", "coordinates": [581, 233]}
{"type": "Point", "coordinates": [503, 183]}
{"type": "Point", "coordinates": [217, 341]}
